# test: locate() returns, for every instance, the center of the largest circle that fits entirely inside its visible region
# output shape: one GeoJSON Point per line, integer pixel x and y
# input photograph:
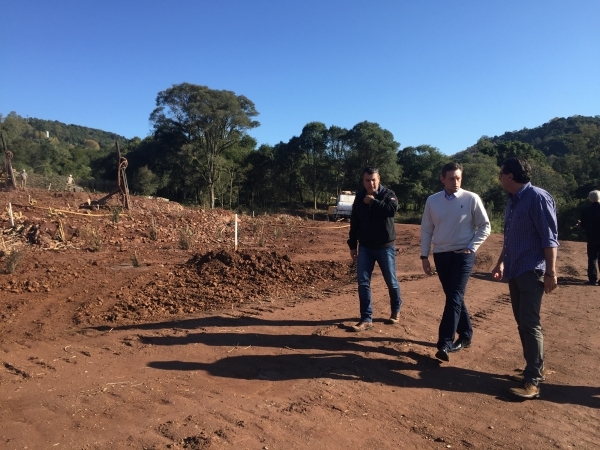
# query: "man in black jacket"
{"type": "Point", "coordinates": [372, 239]}
{"type": "Point", "coordinates": [590, 222]}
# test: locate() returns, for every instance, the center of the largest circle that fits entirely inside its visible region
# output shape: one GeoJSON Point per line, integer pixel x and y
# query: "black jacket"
{"type": "Point", "coordinates": [373, 225]}
{"type": "Point", "coordinates": [590, 222]}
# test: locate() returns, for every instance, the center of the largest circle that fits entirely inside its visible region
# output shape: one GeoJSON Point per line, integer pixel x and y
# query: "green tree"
{"type": "Point", "coordinates": [288, 164]}
{"type": "Point", "coordinates": [480, 173]}
{"type": "Point", "coordinates": [421, 175]}
{"type": "Point", "coordinates": [235, 168]}
{"type": "Point", "coordinates": [313, 143]}
{"type": "Point", "coordinates": [207, 121]}
{"type": "Point", "coordinates": [373, 146]}
{"type": "Point", "coordinates": [258, 188]}
{"type": "Point", "coordinates": [510, 149]}
{"type": "Point", "coordinates": [338, 152]}
{"type": "Point", "coordinates": [145, 181]}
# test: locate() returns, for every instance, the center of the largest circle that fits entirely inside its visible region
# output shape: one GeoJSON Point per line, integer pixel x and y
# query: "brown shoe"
{"type": "Point", "coordinates": [394, 318]}
{"type": "Point", "coordinates": [361, 326]}
{"type": "Point", "coordinates": [518, 377]}
{"type": "Point", "coordinates": [526, 390]}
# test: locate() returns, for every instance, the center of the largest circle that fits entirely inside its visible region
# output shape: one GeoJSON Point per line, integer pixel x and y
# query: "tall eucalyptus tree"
{"type": "Point", "coordinates": [207, 121]}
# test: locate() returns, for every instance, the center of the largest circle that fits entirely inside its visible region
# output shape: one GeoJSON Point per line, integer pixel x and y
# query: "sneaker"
{"type": "Point", "coordinates": [361, 326]}
{"type": "Point", "coordinates": [394, 318]}
{"type": "Point", "coordinates": [519, 376]}
{"type": "Point", "coordinates": [526, 390]}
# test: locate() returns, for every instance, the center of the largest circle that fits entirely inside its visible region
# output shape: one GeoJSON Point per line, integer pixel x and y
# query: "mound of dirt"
{"type": "Point", "coordinates": [223, 278]}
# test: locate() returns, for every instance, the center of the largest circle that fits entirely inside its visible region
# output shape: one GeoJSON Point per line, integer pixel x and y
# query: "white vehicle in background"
{"type": "Point", "coordinates": [343, 206]}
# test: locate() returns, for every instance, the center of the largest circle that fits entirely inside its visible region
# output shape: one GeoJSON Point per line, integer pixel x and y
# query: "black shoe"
{"type": "Point", "coordinates": [593, 283]}
{"type": "Point", "coordinates": [443, 355]}
{"type": "Point", "coordinates": [460, 344]}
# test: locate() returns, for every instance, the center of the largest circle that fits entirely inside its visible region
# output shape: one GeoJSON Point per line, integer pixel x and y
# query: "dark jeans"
{"type": "Point", "coordinates": [593, 251]}
{"type": "Point", "coordinates": [386, 258]}
{"type": "Point", "coordinates": [526, 291]}
{"type": "Point", "coordinates": [454, 270]}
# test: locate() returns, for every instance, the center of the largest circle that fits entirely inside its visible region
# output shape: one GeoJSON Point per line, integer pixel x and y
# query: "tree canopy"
{"type": "Point", "coordinates": [205, 122]}
{"type": "Point", "coordinates": [200, 153]}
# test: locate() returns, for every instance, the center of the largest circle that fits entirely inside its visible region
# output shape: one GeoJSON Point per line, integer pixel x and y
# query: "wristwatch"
{"type": "Point", "coordinates": [424, 257]}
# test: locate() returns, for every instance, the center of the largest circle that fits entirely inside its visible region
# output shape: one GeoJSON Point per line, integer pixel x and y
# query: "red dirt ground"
{"type": "Point", "coordinates": [113, 336]}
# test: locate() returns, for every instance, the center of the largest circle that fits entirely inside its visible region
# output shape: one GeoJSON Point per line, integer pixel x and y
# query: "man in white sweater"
{"type": "Point", "coordinates": [456, 223]}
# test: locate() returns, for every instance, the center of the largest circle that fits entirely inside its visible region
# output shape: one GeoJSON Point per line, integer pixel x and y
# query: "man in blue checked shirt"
{"type": "Point", "coordinates": [528, 261]}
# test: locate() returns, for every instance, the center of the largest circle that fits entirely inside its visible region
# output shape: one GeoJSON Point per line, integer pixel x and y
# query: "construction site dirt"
{"type": "Point", "coordinates": [146, 329]}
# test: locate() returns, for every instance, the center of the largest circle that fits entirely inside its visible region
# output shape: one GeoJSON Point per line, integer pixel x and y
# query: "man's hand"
{"type": "Point", "coordinates": [427, 267]}
{"type": "Point", "coordinates": [368, 199]}
{"type": "Point", "coordinates": [498, 271]}
{"type": "Point", "coordinates": [354, 255]}
{"type": "Point", "coordinates": [550, 283]}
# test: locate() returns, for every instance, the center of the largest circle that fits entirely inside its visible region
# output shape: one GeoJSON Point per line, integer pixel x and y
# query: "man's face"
{"type": "Point", "coordinates": [371, 182]}
{"type": "Point", "coordinates": [452, 181]}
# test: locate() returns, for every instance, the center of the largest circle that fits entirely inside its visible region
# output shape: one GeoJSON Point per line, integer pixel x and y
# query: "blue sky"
{"type": "Point", "coordinates": [442, 73]}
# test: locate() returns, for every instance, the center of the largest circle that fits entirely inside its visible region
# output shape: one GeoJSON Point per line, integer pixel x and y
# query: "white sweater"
{"type": "Point", "coordinates": [453, 224]}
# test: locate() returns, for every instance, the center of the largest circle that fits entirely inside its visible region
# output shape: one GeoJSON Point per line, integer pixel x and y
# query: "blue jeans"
{"type": "Point", "coordinates": [453, 271]}
{"type": "Point", "coordinates": [526, 291]}
{"type": "Point", "coordinates": [386, 259]}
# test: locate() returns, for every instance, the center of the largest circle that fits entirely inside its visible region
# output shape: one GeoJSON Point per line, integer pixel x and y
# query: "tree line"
{"type": "Point", "coordinates": [200, 152]}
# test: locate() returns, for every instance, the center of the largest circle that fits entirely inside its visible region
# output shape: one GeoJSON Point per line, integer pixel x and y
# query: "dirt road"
{"type": "Point", "coordinates": [114, 336]}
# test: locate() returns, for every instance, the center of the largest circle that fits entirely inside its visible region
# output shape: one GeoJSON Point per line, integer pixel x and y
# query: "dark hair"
{"type": "Point", "coordinates": [369, 170]}
{"type": "Point", "coordinates": [451, 166]}
{"type": "Point", "coordinates": [519, 168]}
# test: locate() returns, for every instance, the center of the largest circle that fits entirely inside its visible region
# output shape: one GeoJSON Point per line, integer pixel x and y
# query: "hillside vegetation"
{"type": "Point", "coordinates": [181, 161]}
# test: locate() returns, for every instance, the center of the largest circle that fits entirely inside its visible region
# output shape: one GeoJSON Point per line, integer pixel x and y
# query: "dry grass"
{"type": "Point", "coordinates": [91, 238]}
{"type": "Point", "coordinates": [186, 238]}
{"type": "Point", "coordinates": [135, 262]}
{"type": "Point", "coordinates": [61, 232]}
{"type": "Point", "coordinates": [153, 230]}
{"type": "Point", "coordinates": [116, 214]}
{"type": "Point", "coordinates": [12, 260]}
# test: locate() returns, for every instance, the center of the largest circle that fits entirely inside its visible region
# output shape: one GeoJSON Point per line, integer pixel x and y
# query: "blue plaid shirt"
{"type": "Point", "coordinates": [529, 227]}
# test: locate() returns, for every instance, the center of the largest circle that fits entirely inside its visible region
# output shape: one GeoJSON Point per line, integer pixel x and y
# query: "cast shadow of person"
{"type": "Point", "coordinates": [315, 341]}
{"type": "Point", "coordinates": [222, 321]}
{"type": "Point", "coordinates": [409, 369]}
{"type": "Point", "coordinates": [205, 323]}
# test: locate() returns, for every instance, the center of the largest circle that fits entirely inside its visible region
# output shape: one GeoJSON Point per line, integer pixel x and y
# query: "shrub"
{"type": "Point", "coordinates": [186, 238]}
{"type": "Point", "coordinates": [12, 260]}
{"type": "Point", "coordinates": [91, 237]}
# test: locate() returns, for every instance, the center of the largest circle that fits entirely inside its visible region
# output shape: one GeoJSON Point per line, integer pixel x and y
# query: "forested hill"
{"type": "Point", "coordinates": [49, 147]}
{"type": "Point", "coordinates": [74, 134]}
{"type": "Point", "coordinates": [556, 137]}
{"type": "Point", "coordinates": [310, 168]}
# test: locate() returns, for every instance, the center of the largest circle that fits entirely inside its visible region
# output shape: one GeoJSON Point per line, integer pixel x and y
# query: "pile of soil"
{"type": "Point", "coordinates": [224, 279]}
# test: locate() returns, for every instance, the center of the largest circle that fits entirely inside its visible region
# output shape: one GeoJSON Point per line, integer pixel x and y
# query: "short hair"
{"type": "Point", "coordinates": [594, 196]}
{"type": "Point", "coordinates": [369, 170]}
{"type": "Point", "coordinates": [519, 168]}
{"type": "Point", "coordinates": [450, 167]}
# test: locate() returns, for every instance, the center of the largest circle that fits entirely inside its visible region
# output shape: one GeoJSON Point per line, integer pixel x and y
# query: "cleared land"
{"type": "Point", "coordinates": [114, 336]}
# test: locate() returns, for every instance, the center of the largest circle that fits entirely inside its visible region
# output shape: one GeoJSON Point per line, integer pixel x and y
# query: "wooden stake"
{"type": "Point", "coordinates": [10, 214]}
